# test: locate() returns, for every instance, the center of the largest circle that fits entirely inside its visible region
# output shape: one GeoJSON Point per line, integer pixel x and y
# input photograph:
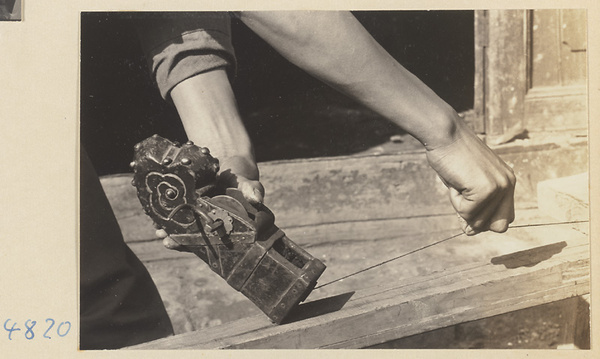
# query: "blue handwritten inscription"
{"type": "Point", "coordinates": [47, 330]}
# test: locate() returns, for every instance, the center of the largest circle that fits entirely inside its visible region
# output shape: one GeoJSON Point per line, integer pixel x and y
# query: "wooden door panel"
{"type": "Point", "coordinates": [558, 44]}
{"type": "Point", "coordinates": [504, 73]}
{"type": "Point", "coordinates": [531, 71]}
{"type": "Point", "coordinates": [573, 47]}
{"type": "Point", "coordinates": [544, 47]}
{"type": "Point", "coordinates": [557, 47]}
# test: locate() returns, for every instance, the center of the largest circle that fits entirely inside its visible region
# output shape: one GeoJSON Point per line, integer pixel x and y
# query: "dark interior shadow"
{"type": "Point", "coordinates": [530, 257]}
{"type": "Point", "coordinates": [543, 326]}
{"type": "Point", "coordinates": [288, 113]}
{"type": "Point", "coordinates": [318, 307]}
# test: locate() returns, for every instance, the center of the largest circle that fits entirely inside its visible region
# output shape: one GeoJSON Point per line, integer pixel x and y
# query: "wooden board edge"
{"type": "Point", "coordinates": [413, 308]}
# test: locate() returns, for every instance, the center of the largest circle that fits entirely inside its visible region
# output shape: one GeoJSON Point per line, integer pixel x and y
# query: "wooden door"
{"type": "Point", "coordinates": [531, 71]}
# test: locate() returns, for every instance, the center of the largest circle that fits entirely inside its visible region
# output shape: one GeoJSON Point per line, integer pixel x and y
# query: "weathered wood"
{"type": "Point", "coordinates": [506, 70]}
{"type": "Point", "coordinates": [532, 163]}
{"type": "Point", "coordinates": [419, 230]}
{"type": "Point", "coordinates": [545, 46]}
{"type": "Point", "coordinates": [582, 326]}
{"type": "Point", "coordinates": [134, 223]}
{"type": "Point", "coordinates": [558, 47]}
{"type": "Point", "coordinates": [331, 234]}
{"type": "Point", "coordinates": [402, 308]}
{"type": "Point", "coordinates": [349, 189]}
{"type": "Point", "coordinates": [576, 326]}
{"type": "Point", "coordinates": [316, 191]}
{"type": "Point", "coordinates": [573, 51]}
{"type": "Point", "coordinates": [481, 38]}
{"type": "Point", "coordinates": [345, 190]}
{"type": "Point", "coordinates": [556, 108]}
{"type": "Point", "coordinates": [556, 95]}
{"type": "Point", "coordinates": [521, 329]}
{"type": "Point", "coordinates": [566, 198]}
{"type": "Point", "coordinates": [535, 71]}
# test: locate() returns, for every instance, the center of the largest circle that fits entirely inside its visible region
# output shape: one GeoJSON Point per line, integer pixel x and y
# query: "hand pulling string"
{"type": "Point", "coordinates": [436, 243]}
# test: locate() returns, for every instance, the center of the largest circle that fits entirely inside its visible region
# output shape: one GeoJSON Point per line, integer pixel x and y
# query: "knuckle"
{"type": "Point", "coordinates": [491, 188]}
{"type": "Point", "coordinates": [512, 178]}
{"type": "Point", "coordinates": [471, 230]}
{"type": "Point", "coordinates": [500, 224]}
{"type": "Point", "coordinates": [502, 184]}
{"type": "Point", "coordinates": [478, 226]}
{"type": "Point", "coordinates": [507, 181]}
{"type": "Point", "coordinates": [500, 228]}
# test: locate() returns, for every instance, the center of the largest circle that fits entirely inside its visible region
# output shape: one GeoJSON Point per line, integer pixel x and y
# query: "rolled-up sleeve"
{"type": "Point", "coordinates": [181, 45]}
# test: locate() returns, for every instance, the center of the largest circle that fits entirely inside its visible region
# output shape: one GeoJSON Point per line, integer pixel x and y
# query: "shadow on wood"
{"type": "Point", "coordinates": [529, 257]}
{"type": "Point", "coordinates": [318, 307]}
{"type": "Point", "coordinates": [402, 308]}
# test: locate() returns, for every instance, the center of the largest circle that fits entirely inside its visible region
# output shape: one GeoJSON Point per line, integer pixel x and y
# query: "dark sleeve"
{"type": "Point", "coordinates": [119, 303]}
{"type": "Point", "coordinates": [181, 45]}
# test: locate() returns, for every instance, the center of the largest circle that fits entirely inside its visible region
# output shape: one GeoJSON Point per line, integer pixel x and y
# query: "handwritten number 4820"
{"type": "Point", "coordinates": [61, 330]}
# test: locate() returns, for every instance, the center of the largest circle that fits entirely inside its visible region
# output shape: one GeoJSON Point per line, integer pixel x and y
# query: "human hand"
{"type": "Point", "coordinates": [481, 185]}
{"type": "Point", "coordinates": [236, 172]}
{"type": "Point", "coordinates": [242, 173]}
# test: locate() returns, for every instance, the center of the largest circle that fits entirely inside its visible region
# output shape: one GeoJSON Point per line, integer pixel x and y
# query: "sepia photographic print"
{"type": "Point", "coordinates": [403, 179]}
{"type": "Point", "coordinates": [10, 10]}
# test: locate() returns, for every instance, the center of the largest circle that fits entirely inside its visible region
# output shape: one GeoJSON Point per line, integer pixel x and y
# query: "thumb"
{"type": "Point", "coordinates": [169, 242]}
{"type": "Point", "coordinates": [253, 191]}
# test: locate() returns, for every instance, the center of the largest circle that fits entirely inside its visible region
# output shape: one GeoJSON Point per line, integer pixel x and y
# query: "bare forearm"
{"type": "Point", "coordinates": [334, 47]}
{"type": "Point", "coordinates": [208, 111]}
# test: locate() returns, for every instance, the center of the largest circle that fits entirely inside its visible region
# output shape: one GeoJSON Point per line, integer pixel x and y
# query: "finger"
{"type": "Point", "coordinates": [481, 219]}
{"type": "Point", "coordinates": [468, 230]}
{"type": "Point", "coordinates": [504, 215]}
{"type": "Point", "coordinates": [494, 214]}
{"type": "Point", "coordinates": [477, 215]}
{"type": "Point", "coordinates": [457, 201]}
{"type": "Point", "coordinates": [168, 242]}
{"type": "Point", "coordinates": [478, 206]}
{"type": "Point", "coordinates": [504, 210]}
{"type": "Point", "coordinates": [253, 191]}
{"type": "Point", "coordinates": [467, 208]}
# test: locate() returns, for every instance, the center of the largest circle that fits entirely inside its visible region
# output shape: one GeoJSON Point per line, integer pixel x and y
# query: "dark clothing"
{"type": "Point", "coordinates": [179, 46]}
{"type": "Point", "coordinates": [119, 303]}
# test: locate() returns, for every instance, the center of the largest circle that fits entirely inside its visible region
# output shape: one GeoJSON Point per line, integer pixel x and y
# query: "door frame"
{"type": "Point", "coordinates": [505, 103]}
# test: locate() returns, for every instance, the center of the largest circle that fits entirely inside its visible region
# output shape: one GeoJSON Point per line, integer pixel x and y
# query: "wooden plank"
{"type": "Point", "coordinates": [535, 71]}
{"type": "Point", "coordinates": [351, 191]}
{"type": "Point", "coordinates": [582, 326]}
{"type": "Point", "coordinates": [556, 108]}
{"type": "Point", "coordinates": [506, 70]}
{"type": "Point", "coordinates": [545, 60]}
{"type": "Point", "coordinates": [476, 118]}
{"type": "Point", "coordinates": [573, 51]}
{"type": "Point", "coordinates": [554, 158]}
{"type": "Point", "coordinates": [196, 297]}
{"type": "Point", "coordinates": [315, 191]}
{"type": "Point", "coordinates": [576, 326]}
{"type": "Point", "coordinates": [135, 224]}
{"type": "Point", "coordinates": [331, 234]}
{"type": "Point", "coordinates": [402, 308]}
{"type": "Point", "coordinates": [420, 230]}
{"type": "Point", "coordinates": [566, 198]}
